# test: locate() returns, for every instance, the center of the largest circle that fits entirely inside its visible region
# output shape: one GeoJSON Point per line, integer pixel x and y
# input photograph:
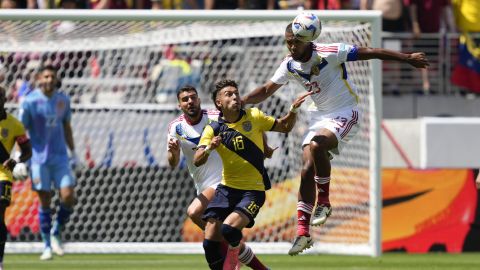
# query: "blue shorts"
{"type": "Point", "coordinates": [44, 174]}
{"type": "Point", "coordinates": [228, 200]}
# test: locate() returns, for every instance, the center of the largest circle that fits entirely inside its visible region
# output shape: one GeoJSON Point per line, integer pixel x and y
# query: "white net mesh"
{"type": "Point", "coordinates": [122, 77]}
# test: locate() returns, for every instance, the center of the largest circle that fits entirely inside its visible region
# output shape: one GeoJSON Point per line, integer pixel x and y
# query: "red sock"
{"type": "Point", "coordinates": [304, 212]}
{"type": "Point", "coordinates": [249, 259]}
{"type": "Point", "coordinates": [323, 188]}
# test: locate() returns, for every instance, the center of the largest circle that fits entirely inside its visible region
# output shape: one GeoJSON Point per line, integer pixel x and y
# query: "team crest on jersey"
{"type": "Point", "coordinates": [247, 126]}
{"type": "Point", "coordinates": [4, 133]}
{"type": "Point", "coordinates": [315, 70]}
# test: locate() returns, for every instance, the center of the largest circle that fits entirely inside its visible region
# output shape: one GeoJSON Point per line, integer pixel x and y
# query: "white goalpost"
{"type": "Point", "coordinates": [121, 70]}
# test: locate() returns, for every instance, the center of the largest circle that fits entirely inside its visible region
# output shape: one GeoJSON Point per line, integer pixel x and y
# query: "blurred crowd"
{"type": "Point", "coordinates": [429, 16]}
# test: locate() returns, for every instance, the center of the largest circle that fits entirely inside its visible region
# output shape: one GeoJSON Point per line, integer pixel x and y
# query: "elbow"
{"type": "Point", "coordinates": [286, 127]}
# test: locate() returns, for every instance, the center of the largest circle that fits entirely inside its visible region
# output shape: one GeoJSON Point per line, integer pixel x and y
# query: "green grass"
{"type": "Point", "coordinates": [275, 262]}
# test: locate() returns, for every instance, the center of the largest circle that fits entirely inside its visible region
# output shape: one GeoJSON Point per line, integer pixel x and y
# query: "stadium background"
{"type": "Point", "coordinates": [422, 231]}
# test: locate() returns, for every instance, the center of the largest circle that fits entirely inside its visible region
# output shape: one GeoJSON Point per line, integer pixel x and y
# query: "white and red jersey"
{"type": "Point", "coordinates": [325, 74]}
{"type": "Point", "coordinates": [189, 135]}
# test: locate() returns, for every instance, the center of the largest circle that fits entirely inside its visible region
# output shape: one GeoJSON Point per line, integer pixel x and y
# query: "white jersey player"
{"type": "Point", "coordinates": [334, 115]}
{"type": "Point", "coordinates": [184, 134]}
{"type": "Point", "coordinates": [188, 134]}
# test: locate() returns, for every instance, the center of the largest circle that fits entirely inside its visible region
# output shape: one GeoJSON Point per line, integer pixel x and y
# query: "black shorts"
{"type": "Point", "coordinates": [228, 200]}
{"type": "Point", "coordinates": [5, 192]}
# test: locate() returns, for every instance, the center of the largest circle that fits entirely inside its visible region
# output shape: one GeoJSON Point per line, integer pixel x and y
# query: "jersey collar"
{"type": "Point", "coordinates": [222, 121]}
{"type": "Point", "coordinates": [190, 122]}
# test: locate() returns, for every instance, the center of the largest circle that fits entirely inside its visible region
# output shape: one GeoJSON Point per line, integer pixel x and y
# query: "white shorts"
{"type": "Point", "coordinates": [344, 124]}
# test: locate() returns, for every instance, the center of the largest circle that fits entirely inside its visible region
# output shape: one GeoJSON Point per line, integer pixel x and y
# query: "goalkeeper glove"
{"type": "Point", "coordinates": [20, 171]}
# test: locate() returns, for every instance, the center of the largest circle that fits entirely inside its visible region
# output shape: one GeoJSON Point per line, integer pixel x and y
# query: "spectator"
{"type": "Point", "coordinates": [439, 11]}
{"type": "Point", "coordinates": [393, 20]}
{"type": "Point", "coordinates": [177, 4]}
{"type": "Point", "coordinates": [8, 4]}
{"type": "Point", "coordinates": [393, 15]}
{"type": "Point", "coordinates": [327, 4]}
{"type": "Point", "coordinates": [290, 4]}
{"type": "Point", "coordinates": [73, 4]}
{"type": "Point", "coordinates": [224, 4]}
{"type": "Point", "coordinates": [467, 71]}
{"type": "Point", "coordinates": [467, 15]}
{"type": "Point", "coordinates": [109, 4]}
{"type": "Point", "coordinates": [261, 4]}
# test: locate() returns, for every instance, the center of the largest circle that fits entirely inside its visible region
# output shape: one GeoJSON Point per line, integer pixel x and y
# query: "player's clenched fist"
{"type": "Point", "coordinates": [173, 144]}
{"type": "Point", "coordinates": [216, 141]}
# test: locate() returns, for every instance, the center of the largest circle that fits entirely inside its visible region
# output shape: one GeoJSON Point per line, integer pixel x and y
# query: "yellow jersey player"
{"type": "Point", "coordinates": [238, 139]}
{"type": "Point", "coordinates": [11, 132]}
{"type": "Point", "coordinates": [183, 136]}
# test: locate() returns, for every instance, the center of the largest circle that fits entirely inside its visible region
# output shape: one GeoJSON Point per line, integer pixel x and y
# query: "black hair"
{"type": "Point", "coordinates": [186, 88]}
{"type": "Point", "coordinates": [289, 28]}
{"type": "Point", "coordinates": [47, 67]}
{"type": "Point", "coordinates": [219, 86]}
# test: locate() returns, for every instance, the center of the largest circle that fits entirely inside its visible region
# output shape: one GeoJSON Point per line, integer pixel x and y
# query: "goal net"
{"type": "Point", "coordinates": [121, 70]}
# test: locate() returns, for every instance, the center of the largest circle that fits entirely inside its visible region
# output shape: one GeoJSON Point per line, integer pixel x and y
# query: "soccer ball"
{"type": "Point", "coordinates": [306, 27]}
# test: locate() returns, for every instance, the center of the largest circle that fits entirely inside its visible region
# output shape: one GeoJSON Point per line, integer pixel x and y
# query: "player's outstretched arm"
{"type": "Point", "coordinates": [285, 124]}
{"type": "Point", "coordinates": [417, 59]}
{"type": "Point", "coordinates": [261, 93]}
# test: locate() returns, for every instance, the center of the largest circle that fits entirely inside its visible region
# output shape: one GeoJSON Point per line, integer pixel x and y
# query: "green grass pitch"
{"type": "Point", "coordinates": [275, 262]}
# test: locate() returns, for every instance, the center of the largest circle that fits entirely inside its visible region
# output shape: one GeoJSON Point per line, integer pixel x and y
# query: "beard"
{"type": "Point", "coordinates": [193, 112]}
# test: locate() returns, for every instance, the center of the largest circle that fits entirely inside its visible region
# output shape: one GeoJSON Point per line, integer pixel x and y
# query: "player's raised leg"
{"type": "Point", "coordinates": [305, 204]}
{"type": "Point", "coordinates": [320, 145]}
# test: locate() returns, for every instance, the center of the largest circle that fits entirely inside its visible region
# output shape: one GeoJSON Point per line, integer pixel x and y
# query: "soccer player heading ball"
{"type": "Point", "coordinates": [333, 121]}
{"type": "Point", "coordinates": [306, 27]}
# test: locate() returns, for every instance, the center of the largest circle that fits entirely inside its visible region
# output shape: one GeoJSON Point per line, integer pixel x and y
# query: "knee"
{"type": "Point", "coordinates": [319, 145]}
{"type": "Point", "coordinates": [194, 212]}
{"type": "Point", "coordinates": [232, 235]}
